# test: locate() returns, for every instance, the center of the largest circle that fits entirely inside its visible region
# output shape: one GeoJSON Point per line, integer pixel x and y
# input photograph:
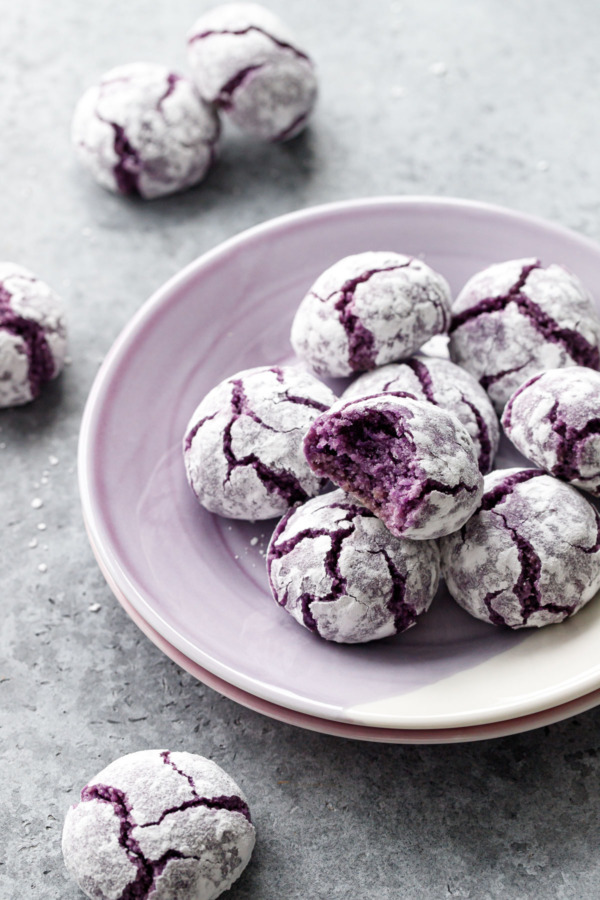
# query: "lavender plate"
{"type": "Point", "coordinates": [199, 582]}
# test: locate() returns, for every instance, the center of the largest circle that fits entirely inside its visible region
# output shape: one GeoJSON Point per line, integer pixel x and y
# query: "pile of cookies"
{"type": "Point", "coordinates": [148, 131]}
{"type": "Point", "coordinates": [410, 448]}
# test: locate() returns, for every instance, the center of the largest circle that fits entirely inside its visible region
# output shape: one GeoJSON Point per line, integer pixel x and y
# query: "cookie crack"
{"type": "Point", "coordinates": [404, 614]}
{"type": "Point", "coordinates": [568, 440]}
{"type": "Point", "coordinates": [423, 377]}
{"type": "Point", "coordinates": [284, 45]}
{"type": "Point", "coordinates": [485, 442]}
{"type": "Point", "coordinates": [579, 349]}
{"type": "Point", "coordinates": [501, 491]}
{"type": "Point", "coordinates": [39, 356]}
{"type": "Point", "coordinates": [148, 870]}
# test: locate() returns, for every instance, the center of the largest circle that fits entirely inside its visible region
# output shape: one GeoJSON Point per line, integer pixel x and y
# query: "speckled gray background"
{"type": "Point", "coordinates": [489, 99]}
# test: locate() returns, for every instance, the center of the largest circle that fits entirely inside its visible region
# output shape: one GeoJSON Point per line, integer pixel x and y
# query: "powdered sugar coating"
{"type": "Point", "coordinates": [530, 556]}
{"type": "Point", "coordinates": [244, 59]}
{"type": "Point", "coordinates": [339, 572]}
{"type": "Point", "coordinates": [410, 462]}
{"type": "Point", "coordinates": [145, 130]}
{"type": "Point", "coordinates": [367, 310]}
{"type": "Point", "coordinates": [243, 444]}
{"type": "Point", "coordinates": [517, 318]}
{"type": "Point", "coordinates": [33, 335]}
{"type": "Point", "coordinates": [158, 824]}
{"type": "Point", "coordinates": [554, 420]}
{"type": "Point", "coordinates": [446, 385]}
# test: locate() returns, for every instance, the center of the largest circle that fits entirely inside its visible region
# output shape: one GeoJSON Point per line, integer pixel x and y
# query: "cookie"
{"type": "Point", "coordinates": [33, 335]}
{"type": "Point", "coordinates": [554, 420]}
{"type": "Point", "coordinates": [410, 462]}
{"type": "Point", "coordinates": [245, 61]}
{"type": "Point", "coordinates": [446, 385]}
{"type": "Point", "coordinates": [368, 310]}
{"type": "Point", "coordinates": [144, 130]}
{"type": "Point", "coordinates": [337, 570]}
{"type": "Point", "coordinates": [243, 444]}
{"type": "Point", "coordinates": [517, 318]}
{"type": "Point", "coordinates": [530, 556]}
{"type": "Point", "coordinates": [161, 825]}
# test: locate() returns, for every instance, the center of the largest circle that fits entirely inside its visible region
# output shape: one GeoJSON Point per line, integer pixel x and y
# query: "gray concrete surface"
{"type": "Point", "coordinates": [489, 99]}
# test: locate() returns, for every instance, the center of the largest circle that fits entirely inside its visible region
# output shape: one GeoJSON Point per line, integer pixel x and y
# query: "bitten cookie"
{"type": "Point", "coordinates": [411, 463]}
{"type": "Point", "coordinates": [244, 60]}
{"type": "Point", "coordinates": [337, 570]}
{"type": "Point", "coordinates": [243, 444]}
{"type": "Point", "coordinates": [33, 335]}
{"type": "Point", "coordinates": [554, 420]}
{"type": "Point", "coordinates": [145, 130]}
{"type": "Point", "coordinates": [530, 556]}
{"type": "Point", "coordinates": [516, 318]}
{"type": "Point", "coordinates": [368, 310]}
{"type": "Point", "coordinates": [446, 385]}
{"type": "Point", "coordinates": [161, 825]}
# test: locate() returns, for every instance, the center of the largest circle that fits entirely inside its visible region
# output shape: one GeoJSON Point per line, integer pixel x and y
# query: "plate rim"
{"type": "Point", "coordinates": [109, 561]}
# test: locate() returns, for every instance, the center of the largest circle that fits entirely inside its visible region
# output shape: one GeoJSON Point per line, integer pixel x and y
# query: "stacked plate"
{"type": "Point", "coordinates": [197, 585]}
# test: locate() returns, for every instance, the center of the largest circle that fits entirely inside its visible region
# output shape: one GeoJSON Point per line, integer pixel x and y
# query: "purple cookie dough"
{"type": "Point", "coordinates": [554, 420]}
{"type": "Point", "coordinates": [368, 310]}
{"type": "Point", "coordinates": [243, 444]}
{"type": "Point", "coordinates": [411, 463]}
{"type": "Point", "coordinates": [446, 385]}
{"type": "Point", "coordinates": [517, 318]}
{"type": "Point", "coordinates": [33, 335]}
{"type": "Point", "coordinates": [161, 825]}
{"type": "Point", "coordinates": [145, 130]}
{"type": "Point", "coordinates": [339, 572]}
{"type": "Point", "coordinates": [530, 556]}
{"type": "Point", "coordinates": [245, 61]}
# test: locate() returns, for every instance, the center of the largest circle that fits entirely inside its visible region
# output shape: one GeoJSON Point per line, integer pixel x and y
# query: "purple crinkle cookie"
{"type": "Point", "coordinates": [244, 60]}
{"type": "Point", "coordinates": [411, 463]}
{"type": "Point", "coordinates": [33, 335]}
{"type": "Point", "coordinates": [446, 385]}
{"type": "Point", "coordinates": [554, 420]}
{"type": "Point", "coordinates": [530, 556]}
{"type": "Point", "coordinates": [144, 130]}
{"type": "Point", "coordinates": [161, 825]}
{"type": "Point", "coordinates": [516, 318]}
{"type": "Point", "coordinates": [368, 310]}
{"type": "Point", "coordinates": [339, 572]}
{"type": "Point", "coordinates": [243, 444]}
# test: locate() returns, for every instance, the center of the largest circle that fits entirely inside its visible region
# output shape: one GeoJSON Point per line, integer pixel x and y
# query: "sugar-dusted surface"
{"type": "Point", "coordinates": [246, 61]}
{"type": "Point", "coordinates": [554, 420]}
{"type": "Point", "coordinates": [530, 556]}
{"type": "Point", "coordinates": [519, 317]}
{"type": "Point", "coordinates": [367, 310]}
{"type": "Point", "coordinates": [158, 824]}
{"type": "Point", "coordinates": [413, 464]}
{"type": "Point", "coordinates": [446, 385]}
{"type": "Point", "coordinates": [243, 444]}
{"type": "Point", "coordinates": [33, 335]}
{"type": "Point", "coordinates": [339, 572]}
{"type": "Point", "coordinates": [144, 130]}
{"type": "Point", "coordinates": [515, 818]}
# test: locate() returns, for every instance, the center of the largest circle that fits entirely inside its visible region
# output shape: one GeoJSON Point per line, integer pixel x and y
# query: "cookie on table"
{"type": "Point", "coordinates": [161, 825]}
{"type": "Point", "coordinates": [410, 462]}
{"type": "Point", "coordinates": [554, 420]}
{"type": "Point", "coordinates": [337, 570]}
{"type": "Point", "coordinates": [144, 130]}
{"type": "Point", "coordinates": [530, 556]}
{"type": "Point", "coordinates": [368, 310]}
{"type": "Point", "coordinates": [243, 444]}
{"type": "Point", "coordinates": [246, 61]}
{"type": "Point", "coordinates": [446, 385]}
{"type": "Point", "coordinates": [517, 318]}
{"type": "Point", "coordinates": [33, 335]}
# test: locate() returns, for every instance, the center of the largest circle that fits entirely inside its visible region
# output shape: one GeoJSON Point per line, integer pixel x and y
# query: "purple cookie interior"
{"type": "Point", "coordinates": [370, 453]}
